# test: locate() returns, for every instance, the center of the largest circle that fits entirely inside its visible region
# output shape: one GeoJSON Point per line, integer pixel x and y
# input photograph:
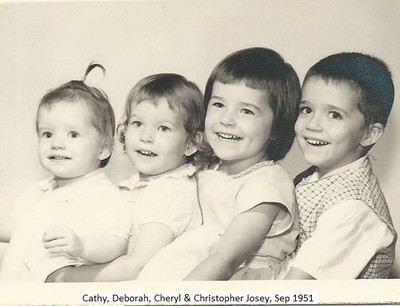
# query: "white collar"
{"type": "Point", "coordinates": [51, 183]}
{"type": "Point", "coordinates": [186, 170]}
{"type": "Point", "coordinates": [361, 162]}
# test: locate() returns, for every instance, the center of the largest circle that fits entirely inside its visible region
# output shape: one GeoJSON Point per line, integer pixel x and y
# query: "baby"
{"type": "Point", "coordinates": [78, 216]}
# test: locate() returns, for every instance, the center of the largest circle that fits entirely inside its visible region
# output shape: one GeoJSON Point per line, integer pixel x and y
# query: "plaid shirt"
{"type": "Point", "coordinates": [354, 184]}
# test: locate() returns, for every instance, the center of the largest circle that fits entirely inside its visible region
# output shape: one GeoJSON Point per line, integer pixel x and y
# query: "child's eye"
{"type": "Point", "coordinates": [247, 111]}
{"type": "Point", "coordinates": [335, 115]}
{"type": "Point", "coordinates": [46, 135]}
{"type": "Point", "coordinates": [135, 123]}
{"type": "Point", "coordinates": [305, 110]}
{"type": "Point", "coordinates": [218, 104]}
{"type": "Point", "coordinates": [73, 134]}
{"type": "Point", "coordinates": [164, 128]}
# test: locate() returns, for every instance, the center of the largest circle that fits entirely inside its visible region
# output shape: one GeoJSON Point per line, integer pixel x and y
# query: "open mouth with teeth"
{"type": "Point", "coordinates": [59, 157]}
{"type": "Point", "coordinates": [146, 153]}
{"type": "Point", "coordinates": [315, 142]}
{"type": "Point", "coordinates": [228, 137]}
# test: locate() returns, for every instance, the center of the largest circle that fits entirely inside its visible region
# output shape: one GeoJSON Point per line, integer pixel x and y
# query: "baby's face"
{"type": "Point", "coordinates": [69, 145]}
{"type": "Point", "coordinates": [330, 125]}
{"type": "Point", "coordinates": [156, 140]}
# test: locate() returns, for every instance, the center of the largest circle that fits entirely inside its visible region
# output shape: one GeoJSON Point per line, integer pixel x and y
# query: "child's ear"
{"type": "Point", "coordinates": [193, 143]}
{"type": "Point", "coordinates": [374, 132]}
{"type": "Point", "coordinates": [106, 149]}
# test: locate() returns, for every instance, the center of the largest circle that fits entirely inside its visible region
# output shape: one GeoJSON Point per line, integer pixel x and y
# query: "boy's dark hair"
{"type": "Point", "coordinates": [102, 113]}
{"type": "Point", "coordinates": [181, 94]}
{"type": "Point", "coordinates": [368, 75]}
{"type": "Point", "coordinates": [264, 69]}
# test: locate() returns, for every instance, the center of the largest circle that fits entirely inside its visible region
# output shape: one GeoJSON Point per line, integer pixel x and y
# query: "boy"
{"type": "Point", "coordinates": [345, 226]}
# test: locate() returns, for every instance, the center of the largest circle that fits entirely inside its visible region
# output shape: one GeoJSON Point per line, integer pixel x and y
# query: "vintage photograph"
{"type": "Point", "coordinates": [200, 152]}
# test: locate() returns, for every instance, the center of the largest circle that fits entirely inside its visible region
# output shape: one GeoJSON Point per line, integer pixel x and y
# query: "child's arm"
{"type": "Point", "coordinates": [62, 239]}
{"type": "Point", "coordinates": [243, 236]}
{"type": "Point", "coordinates": [295, 273]}
{"type": "Point", "coordinates": [355, 233]}
{"type": "Point", "coordinates": [7, 227]}
{"type": "Point", "coordinates": [151, 238]}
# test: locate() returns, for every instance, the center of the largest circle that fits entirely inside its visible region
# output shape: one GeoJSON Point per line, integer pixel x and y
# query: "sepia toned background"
{"type": "Point", "coordinates": [43, 45]}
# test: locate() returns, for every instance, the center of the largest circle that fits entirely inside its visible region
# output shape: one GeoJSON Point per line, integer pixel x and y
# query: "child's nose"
{"type": "Point", "coordinates": [228, 118]}
{"type": "Point", "coordinates": [58, 142]}
{"type": "Point", "coordinates": [147, 135]}
{"type": "Point", "coordinates": [314, 123]}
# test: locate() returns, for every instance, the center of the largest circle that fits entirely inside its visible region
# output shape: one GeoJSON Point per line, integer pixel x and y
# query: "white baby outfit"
{"type": "Point", "coordinates": [92, 207]}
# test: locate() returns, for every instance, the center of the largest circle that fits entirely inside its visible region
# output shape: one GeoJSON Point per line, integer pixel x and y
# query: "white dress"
{"type": "Point", "coordinates": [92, 207]}
{"type": "Point", "coordinates": [169, 199]}
{"type": "Point", "coordinates": [222, 197]}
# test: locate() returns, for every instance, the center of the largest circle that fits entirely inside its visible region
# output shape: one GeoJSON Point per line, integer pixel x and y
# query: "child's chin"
{"type": "Point", "coordinates": [227, 154]}
{"type": "Point", "coordinates": [312, 161]}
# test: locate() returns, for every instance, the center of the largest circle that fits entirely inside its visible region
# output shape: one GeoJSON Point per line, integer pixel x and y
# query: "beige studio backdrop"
{"type": "Point", "coordinates": [43, 45]}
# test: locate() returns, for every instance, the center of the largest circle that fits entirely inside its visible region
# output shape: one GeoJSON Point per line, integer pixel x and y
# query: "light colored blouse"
{"type": "Point", "coordinates": [169, 198]}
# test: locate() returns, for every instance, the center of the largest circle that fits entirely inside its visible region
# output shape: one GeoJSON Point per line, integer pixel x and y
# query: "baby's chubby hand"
{"type": "Point", "coordinates": [62, 239]}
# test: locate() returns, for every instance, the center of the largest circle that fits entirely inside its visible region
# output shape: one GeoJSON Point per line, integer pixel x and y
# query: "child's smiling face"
{"type": "Point", "coordinates": [238, 125]}
{"type": "Point", "coordinates": [69, 144]}
{"type": "Point", "coordinates": [330, 126]}
{"type": "Point", "coordinates": [156, 140]}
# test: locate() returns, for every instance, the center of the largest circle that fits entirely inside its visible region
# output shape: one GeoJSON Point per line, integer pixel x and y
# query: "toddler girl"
{"type": "Point", "coordinates": [160, 130]}
{"type": "Point", "coordinates": [78, 216]}
{"type": "Point", "coordinates": [247, 198]}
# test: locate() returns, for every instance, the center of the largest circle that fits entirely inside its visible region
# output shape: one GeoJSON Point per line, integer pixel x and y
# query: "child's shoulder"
{"type": "Point", "coordinates": [31, 191]}
{"type": "Point", "coordinates": [38, 186]}
{"type": "Point", "coordinates": [357, 172]}
{"type": "Point", "coordinates": [174, 184]}
{"type": "Point", "coordinates": [101, 180]}
{"type": "Point", "coordinates": [99, 186]}
{"type": "Point", "coordinates": [267, 172]}
{"type": "Point", "coordinates": [271, 173]}
{"type": "Point", "coordinates": [174, 180]}
{"type": "Point", "coordinates": [184, 175]}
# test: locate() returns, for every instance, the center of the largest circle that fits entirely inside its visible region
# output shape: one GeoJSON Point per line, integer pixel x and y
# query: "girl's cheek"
{"type": "Point", "coordinates": [207, 132]}
{"type": "Point", "coordinates": [129, 133]}
{"type": "Point", "coordinates": [129, 137]}
{"type": "Point", "coordinates": [208, 123]}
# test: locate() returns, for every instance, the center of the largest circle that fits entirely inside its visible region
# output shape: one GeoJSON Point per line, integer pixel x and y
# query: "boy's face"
{"type": "Point", "coordinates": [238, 125]}
{"type": "Point", "coordinates": [330, 126]}
{"type": "Point", "coordinates": [156, 140]}
{"type": "Point", "coordinates": [69, 145]}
